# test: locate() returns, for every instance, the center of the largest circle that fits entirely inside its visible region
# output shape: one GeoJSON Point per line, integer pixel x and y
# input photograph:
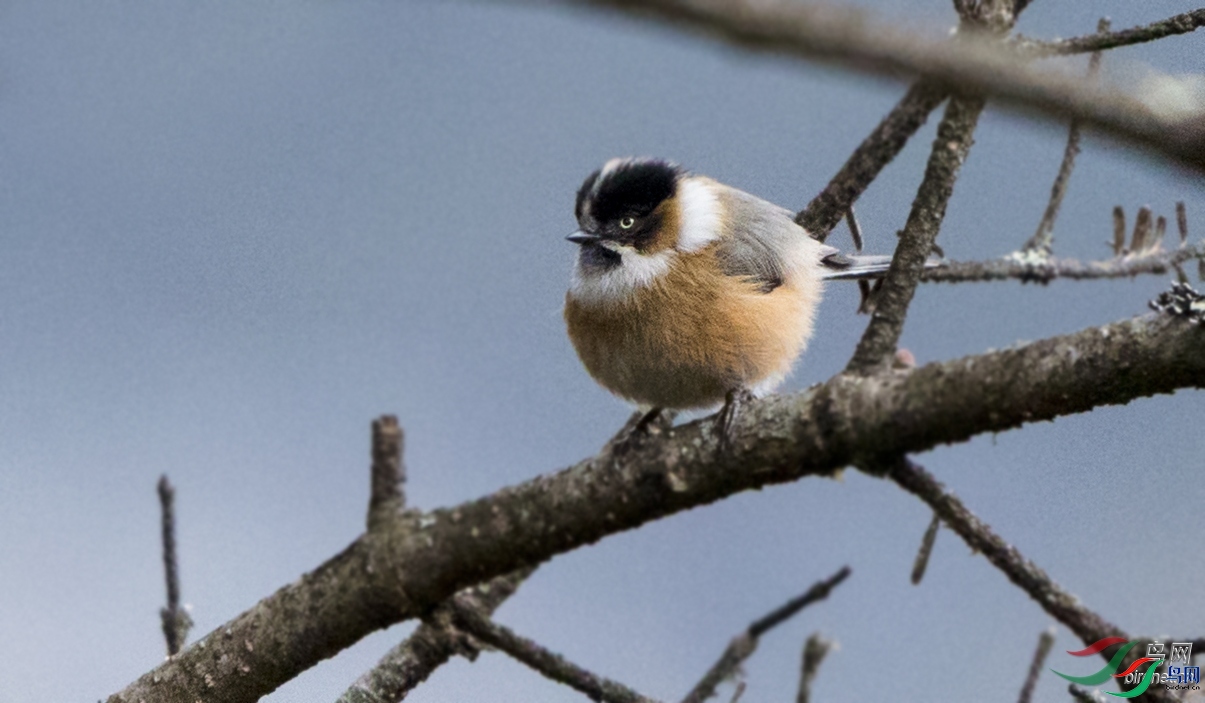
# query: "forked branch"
{"type": "Point", "coordinates": [418, 561]}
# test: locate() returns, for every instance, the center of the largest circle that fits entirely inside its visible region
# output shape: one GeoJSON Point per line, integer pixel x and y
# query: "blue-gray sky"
{"type": "Point", "coordinates": [233, 233]}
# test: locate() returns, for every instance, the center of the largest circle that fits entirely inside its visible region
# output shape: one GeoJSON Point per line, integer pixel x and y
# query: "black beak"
{"type": "Point", "coordinates": [580, 237]}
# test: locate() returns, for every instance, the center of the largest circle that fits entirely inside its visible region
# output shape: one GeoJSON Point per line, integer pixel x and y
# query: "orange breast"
{"type": "Point", "coordinates": [691, 336]}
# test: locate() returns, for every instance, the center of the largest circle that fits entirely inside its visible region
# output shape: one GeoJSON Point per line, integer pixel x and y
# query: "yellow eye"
{"type": "Point", "coordinates": [627, 222]}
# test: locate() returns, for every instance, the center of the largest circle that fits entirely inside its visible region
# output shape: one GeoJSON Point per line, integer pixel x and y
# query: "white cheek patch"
{"type": "Point", "coordinates": [701, 215]}
{"type": "Point", "coordinates": [634, 272]}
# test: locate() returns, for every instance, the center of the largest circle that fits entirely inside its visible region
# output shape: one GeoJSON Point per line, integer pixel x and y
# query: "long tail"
{"type": "Point", "coordinates": [839, 267]}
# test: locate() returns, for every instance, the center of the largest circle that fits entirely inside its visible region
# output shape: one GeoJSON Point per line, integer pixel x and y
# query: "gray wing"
{"type": "Point", "coordinates": [761, 236]}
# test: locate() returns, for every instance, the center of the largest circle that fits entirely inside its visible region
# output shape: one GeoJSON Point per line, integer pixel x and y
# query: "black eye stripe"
{"type": "Point", "coordinates": [642, 231]}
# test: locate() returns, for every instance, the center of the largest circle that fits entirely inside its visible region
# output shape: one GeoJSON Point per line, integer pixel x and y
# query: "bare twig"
{"type": "Point", "coordinates": [876, 151]}
{"type": "Point", "coordinates": [814, 652]}
{"type": "Point", "coordinates": [1179, 24]}
{"type": "Point", "coordinates": [1060, 604]}
{"type": "Point", "coordinates": [548, 663]}
{"type": "Point", "coordinates": [866, 303]}
{"type": "Point", "coordinates": [1142, 230]}
{"type": "Point", "coordinates": [388, 495]}
{"type": "Point", "coordinates": [950, 149]}
{"type": "Point", "coordinates": [1045, 642]}
{"type": "Point", "coordinates": [175, 619]}
{"type": "Point", "coordinates": [1119, 230]}
{"type": "Point", "coordinates": [740, 691]}
{"type": "Point", "coordinates": [744, 644]}
{"type": "Point", "coordinates": [1043, 239]}
{"type": "Point", "coordinates": [926, 550]}
{"type": "Point", "coordinates": [1182, 222]}
{"type": "Point", "coordinates": [855, 229]}
{"type": "Point", "coordinates": [430, 646]}
{"type": "Point", "coordinates": [1044, 270]}
{"type": "Point", "coordinates": [818, 592]}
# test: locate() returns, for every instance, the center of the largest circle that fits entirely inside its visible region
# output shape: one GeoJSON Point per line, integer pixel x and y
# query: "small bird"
{"type": "Point", "coordinates": [688, 293]}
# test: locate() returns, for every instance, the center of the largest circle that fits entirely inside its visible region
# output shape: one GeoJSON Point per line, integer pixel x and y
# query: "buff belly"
{"type": "Point", "coordinates": [688, 338]}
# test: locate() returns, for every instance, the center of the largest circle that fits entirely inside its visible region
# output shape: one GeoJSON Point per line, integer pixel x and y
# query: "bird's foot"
{"type": "Point", "coordinates": [725, 420]}
{"type": "Point", "coordinates": [640, 427]}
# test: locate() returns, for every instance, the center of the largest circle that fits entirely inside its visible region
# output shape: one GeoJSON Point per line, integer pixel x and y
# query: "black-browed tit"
{"type": "Point", "coordinates": [687, 292]}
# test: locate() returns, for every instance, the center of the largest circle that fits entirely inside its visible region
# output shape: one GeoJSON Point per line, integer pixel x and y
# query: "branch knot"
{"type": "Point", "coordinates": [1181, 301]}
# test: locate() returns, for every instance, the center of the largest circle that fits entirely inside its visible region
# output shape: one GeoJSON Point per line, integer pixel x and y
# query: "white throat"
{"type": "Point", "coordinates": [635, 271]}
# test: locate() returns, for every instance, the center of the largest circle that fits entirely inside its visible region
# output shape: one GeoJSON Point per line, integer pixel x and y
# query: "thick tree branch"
{"type": "Point", "coordinates": [850, 36]}
{"type": "Point", "coordinates": [419, 561]}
